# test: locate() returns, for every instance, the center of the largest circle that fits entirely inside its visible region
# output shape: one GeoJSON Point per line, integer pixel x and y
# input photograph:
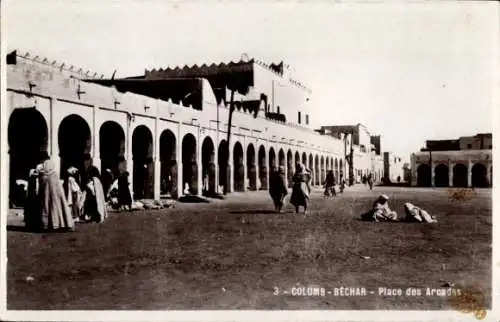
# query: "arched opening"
{"type": "Point", "coordinates": [272, 160]}
{"type": "Point", "coordinates": [239, 168]}
{"type": "Point", "coordinates": [317, 179]}
{"type": "Point", "coordinates": [142, 156]}
{"type": "Point", "coordinates": [168, 164]}
{"type": "Point", "coordinates": [289, 167]}
{"type": "Point", "coordinates": [423, 175]}
{"type": "Point", "coordinates": [75, 143]}
{"type": "Point", "coordinates": [189, 164]}
{"type": "Point", "coordinates": [460, 175]}
{"type": "Point", "coordinates": [441, 176]}
{"type": "Point", "coordinates": [341, 170]}
{"type": "Point", "coordinates": [312, 169]}
{"type": "Point", "coordinates": [27, 137]}
{"type": "Point", "coordinates": [479, 177]}
{"type": "Point", "coordinates": [322, 170]}
{"type": "Point", "coordinates": [208, 166]}
{"type": "Point", "coordinates": [336, 171]}
{"type": "Point", "coordinates": [262, 168]}
{"type": "Point", "coordinates": [251, 168]}
{"type": "Point", "coordinates": [112, 148]}
{"type": "Point", "coordinates": [224, 168]}
{"type": "Point", "coordinates": [281, 159]}
{"type": "Point", "coordinates": [304, 159]}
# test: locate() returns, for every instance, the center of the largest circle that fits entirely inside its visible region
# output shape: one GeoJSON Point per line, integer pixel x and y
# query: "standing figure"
{"type": "Point", "coordinates": [107, 180]}
{"type": "Point", "coordinates": [55, 211]}
{"type": "Point", "coordinates": [205, 183]}
{"type": "Point", "coordinates": [95, 204]}
{"type": "Point", "coordinates": [32, 210]}
{"type": "Point", "coordinates": [342, 184]}
{"type": "Point", "coordinates": [370, 181]}
{"type": "Point", "coordinates": [300, 190]}
{"type": "Point", "coordinates": [330, 184]}
{"type": "Point", "coordinates": [277, 188]}
{"type": "Point", "coordinates": [124, 195]}
{"type": "Point", "coordinates": [74, 193]}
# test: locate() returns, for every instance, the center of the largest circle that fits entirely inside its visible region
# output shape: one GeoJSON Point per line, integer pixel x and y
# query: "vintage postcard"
{"type": "Point", "coordinates": [249, 160]}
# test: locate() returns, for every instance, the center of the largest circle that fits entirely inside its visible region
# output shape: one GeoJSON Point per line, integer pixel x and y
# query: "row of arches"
{"type": "Point", "coordinates": [28, 135]}
{"type": "Point", "coordinates": [458, 177]}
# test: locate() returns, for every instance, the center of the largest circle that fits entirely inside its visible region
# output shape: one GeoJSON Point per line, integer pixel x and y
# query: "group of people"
{"type": "Point", "coordinates": [301, 188]}
{"type": "Point", "coordinates": [54, 204]}
{"type": "Point", "coordinates": [382, 212]}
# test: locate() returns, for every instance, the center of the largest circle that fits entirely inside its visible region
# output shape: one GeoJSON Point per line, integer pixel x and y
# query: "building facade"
{"type": "Point", "coordinates": [465, 162]}
{"type": "Point", "coordinates": [365, 150]}
{"type": "Point", "coordinates": [168, 128]}
{"type": "Point", "coordinates": [393, 168]}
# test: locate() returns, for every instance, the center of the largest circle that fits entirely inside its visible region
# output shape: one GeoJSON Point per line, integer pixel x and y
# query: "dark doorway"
{"type": "Point", "coordinates": [75, 142]}
{"type": "Point", "coordinates": [142, 159]}
{"type": "Point", "coordinates": [423, 175]}
{"type": "Point", "coordinates": [251, 168]}
{"type": "Point", "coordinates": [262, 168]}
{"type": "Point", "coordinates": [479, 176]}
{"type": "Point", "coordinates": [441, 176]}
{"type": "Point", "coordinates": [168, 161]}
{"type": "Point", "coordinates": [460, 175]}
{"type": "Point", "coordinates": [208, 166]}
{"type": "Point", "coordinates": [27, 137]}
{"type": "Point", "coordinates": [189, 164]}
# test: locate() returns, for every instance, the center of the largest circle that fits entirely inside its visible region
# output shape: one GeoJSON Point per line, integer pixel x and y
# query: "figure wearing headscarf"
{"type": "Point", "coordinates": [95, 204]}
{"type": "Point", "coordinates": [55, 211]}
{"type": "Point", "coordinates": [74, 194]}
{"type": "Point", "coordinates": [330, 184]}
{"type": "Point", "coordinates": [416, 214]}
{"type": "Point", "coordinates": [300, 190]}
{"type": "Point", "coordinates": [277, 187]}
{"type": "Point", "coordinates": [381, 210]}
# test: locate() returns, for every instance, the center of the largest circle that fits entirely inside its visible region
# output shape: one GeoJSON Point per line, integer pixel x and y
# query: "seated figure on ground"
{"type": "Point", "coordinates": [416, 214]}
{"type": "Point", "coordinates": [381, 211]}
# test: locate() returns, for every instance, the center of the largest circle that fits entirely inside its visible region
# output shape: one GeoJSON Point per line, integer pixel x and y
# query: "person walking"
{"type": "Point", "coordinates": [277, 188]}
{"type": "Point", "coordinates": [300, 190]}
{"type": "Point", "coordinates": [54, 209]}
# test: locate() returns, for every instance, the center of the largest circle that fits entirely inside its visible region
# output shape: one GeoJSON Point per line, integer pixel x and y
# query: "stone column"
{"type": "Point", "coordinates": [433, 175]}
{"type": "Point", "coordinates": [488, 176]}
{"type": "Point", "coordinates": [216, 166]}
{"type": "Point", "coordinates": [199, 165]}
{"type": "Point", "coordinates": [244, 162]}
{"type": "Point", "coordinates": [96, 158]}
{"type": "Point", "coordinates": [230, 177]}
{"type": "Point", "coordinates": [469, 173]}
{"type": "Point", "coordinates": [450, 174]}
{"type": "Point", "coordinates": [129, 156]}
{"type": "Point", "coordinates": [180, 167]}
{"type": "Point", "coordinates": [53, 139]}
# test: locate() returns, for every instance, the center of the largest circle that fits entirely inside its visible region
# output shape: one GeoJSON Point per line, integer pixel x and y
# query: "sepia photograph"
{"type": "Point", "coordinates": [290, 158]}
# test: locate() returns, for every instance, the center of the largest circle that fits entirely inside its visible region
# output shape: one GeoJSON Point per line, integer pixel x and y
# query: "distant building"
{"type": "Point", "coordinates": [393, 168]}
{"type": "Point", "coordinates": [464, 162]}
{"type": "Point", "coordinates": [365, 150]}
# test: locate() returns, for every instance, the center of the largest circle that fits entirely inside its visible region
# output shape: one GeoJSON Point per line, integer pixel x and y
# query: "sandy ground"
{"type": "Point", "coordinates": [236, 253]}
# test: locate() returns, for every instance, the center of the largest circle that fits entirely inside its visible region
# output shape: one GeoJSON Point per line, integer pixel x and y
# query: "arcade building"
{"type": "Point", "coordinates": [169, 127]}
{"type": "Point", "coordinates": [463, 162]}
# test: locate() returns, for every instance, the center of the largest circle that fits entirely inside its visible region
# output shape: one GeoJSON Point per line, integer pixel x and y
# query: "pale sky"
{"type": "Point", "coordinates": [410, 72]}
